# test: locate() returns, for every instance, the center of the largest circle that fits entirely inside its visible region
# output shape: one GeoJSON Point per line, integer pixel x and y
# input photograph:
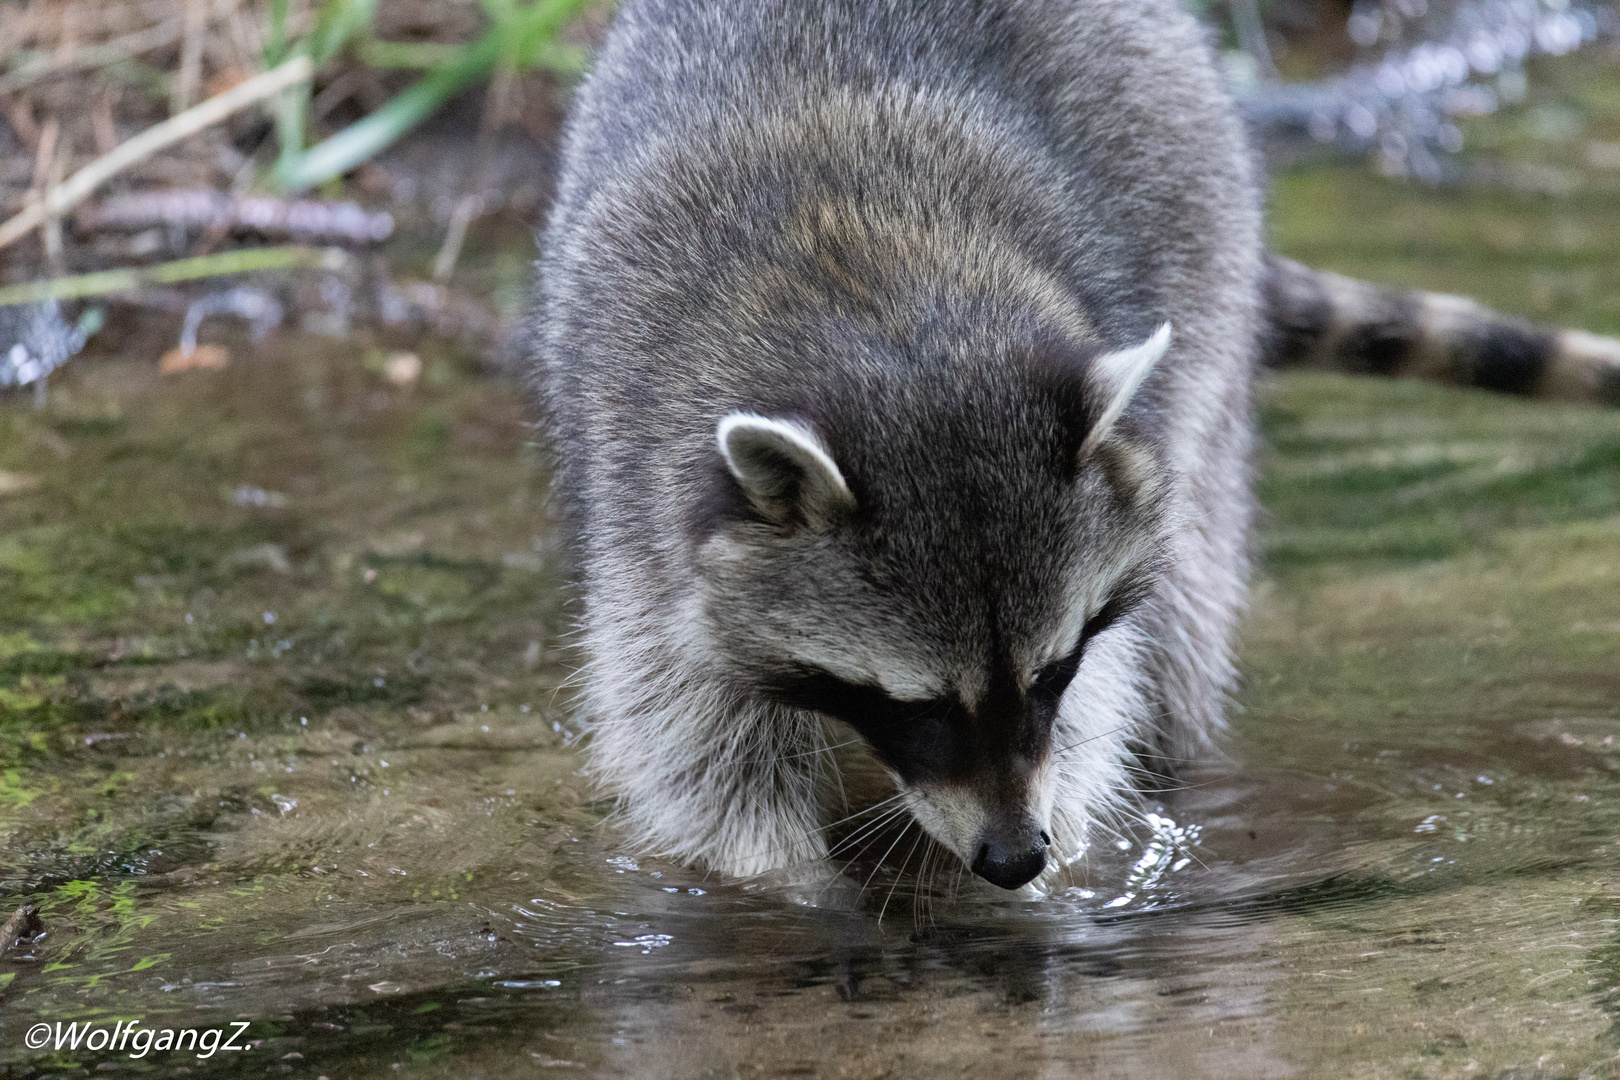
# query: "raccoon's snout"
{"type": "Point", "coordinates": [1012, 854]}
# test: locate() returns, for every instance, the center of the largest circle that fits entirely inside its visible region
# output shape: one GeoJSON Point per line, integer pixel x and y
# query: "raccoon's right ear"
{"type": "Point", "coordinates": [1119, 375]}
{"type": "Point", "coordinates": [782, 467]}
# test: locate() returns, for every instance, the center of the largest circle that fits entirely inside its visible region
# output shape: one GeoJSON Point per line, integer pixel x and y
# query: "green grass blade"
{"type": "Point", "coordinates": [527, 33]}
{"type": "Point", "coordinates": [102, 282]}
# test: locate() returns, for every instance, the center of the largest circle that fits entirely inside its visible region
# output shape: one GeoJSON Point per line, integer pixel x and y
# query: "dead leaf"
{"type": "Point", "coordinates": [229, 79]}
{"type": "Point", "coordinates": [205, 357]}
{"type": "Point", "coordinates": [402, 368]}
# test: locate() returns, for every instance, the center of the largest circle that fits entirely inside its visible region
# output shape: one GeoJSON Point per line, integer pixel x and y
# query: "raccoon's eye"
{"type": "Point", "coordinates": [1054, 678]}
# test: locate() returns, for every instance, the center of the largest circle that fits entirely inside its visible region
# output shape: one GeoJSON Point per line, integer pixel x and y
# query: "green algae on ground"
{"type": "Point", "coordinates": [237, 567]}
{"type": "Point", "coordinates": [1361, 473]}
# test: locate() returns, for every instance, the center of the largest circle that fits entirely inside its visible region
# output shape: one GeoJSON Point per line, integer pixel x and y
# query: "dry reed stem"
{"type": "Point", "coordinates": [44, 154]}
{"type": "Point", "coordinates": [78, 187]}
{"type": "Point", "coordinates": [191, 56]}
{"type": "Point", "coordinates": [52, 231]}
{"type": "Point", "coordinates": [91, 56]}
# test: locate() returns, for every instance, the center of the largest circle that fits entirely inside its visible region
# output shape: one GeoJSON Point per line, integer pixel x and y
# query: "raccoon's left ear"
{"type": "Point", "coordinates": [782, 467]}
{"type": "Point", "coordinates": [1119, 375]}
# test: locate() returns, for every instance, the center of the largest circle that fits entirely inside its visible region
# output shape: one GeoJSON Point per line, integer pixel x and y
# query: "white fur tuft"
{"type": "Point", "coordinates": [1121, 374]}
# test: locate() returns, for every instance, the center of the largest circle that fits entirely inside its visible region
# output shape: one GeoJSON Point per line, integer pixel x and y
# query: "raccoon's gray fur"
{"type": "Point", "coordinates": [897, 357]}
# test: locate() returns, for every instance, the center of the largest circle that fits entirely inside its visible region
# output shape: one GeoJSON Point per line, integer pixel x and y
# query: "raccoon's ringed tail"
{"type": "Point", "coordinates": [1324, 320]}
{"type": "Point", "coordinates": [1584, 367]}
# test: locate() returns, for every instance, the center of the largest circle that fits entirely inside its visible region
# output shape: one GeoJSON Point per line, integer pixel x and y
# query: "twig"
{"type": "Point", "coordinates": [63, 198]}
{"type": "Point", "coordinates": [21, 115]}
{"type": "Point", "coordinates": [102, 128]}
{"type": "Point", "coordinates": [191, 50]}
{"type": "Point", "coordinates": [228, 262]}
{"type": "Point", "coordinates": [52, 232]}
{"type": "Point", "coordinates": [445, 263]}
{"type": "Point", "coordinates": [306, 221]}
{"type": "Point", "coordinates": [44, 154]}
{"type": "Point", "coordinates": [47, 172]}
{"type": "Point", "coordinates": [14, 927]}
{"type": "Point", "coordinates": [91, 56]}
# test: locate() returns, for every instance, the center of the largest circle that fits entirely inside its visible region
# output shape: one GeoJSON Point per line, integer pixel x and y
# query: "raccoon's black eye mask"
{"type": "Point", "coordinates": [915, 736]}
{"type": "Point", "coordinates": [1054, 678]}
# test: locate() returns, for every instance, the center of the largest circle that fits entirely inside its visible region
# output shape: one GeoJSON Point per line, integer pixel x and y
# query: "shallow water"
{"type": "Point", "coordinates": [284, 739]}
{"type": "Point", "coordinates": [284, 742]}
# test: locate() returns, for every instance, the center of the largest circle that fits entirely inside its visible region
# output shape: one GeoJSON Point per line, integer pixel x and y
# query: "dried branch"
{"type": "Point", "coordinates": [185, 82]}
{"type": "Point", "coordinates": [78, 187]}
{"type": "Point", "coordinates": [306, 220]}
{"type": "Point", "coordinates": [91, 56]}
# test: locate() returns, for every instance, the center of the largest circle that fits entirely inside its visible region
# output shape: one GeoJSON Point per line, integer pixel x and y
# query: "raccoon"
{"type": "Point", "coordinates": [897, 356]}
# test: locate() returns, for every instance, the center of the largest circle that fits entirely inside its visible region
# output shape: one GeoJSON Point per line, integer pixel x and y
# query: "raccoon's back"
{"type": "Point", "coordinates": [1093, 139]}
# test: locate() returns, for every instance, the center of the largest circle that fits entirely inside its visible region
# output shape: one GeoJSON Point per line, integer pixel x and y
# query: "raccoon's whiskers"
{"type": "Point", "coordinates": [933, 857]}
{"type": "Point", "coordinates": [873, 832]}
{"type": "Point", "coordinates": [801, 754]}
{"type": "Point", "coordinates": [919, 886]}
{"type": "Point", "coordinates": [1089, 738]}
{"type": "Point", "coordinates": [879, 865]}
{"type": "Point", "coordinates": [1103, 825]}
{"type": "Point", "coordinates": [874, 808]}
{"type": "Point", "coordinates": [1157, 778]}
{"type": "Point", "coordinates": [869, 834]}
{"type": "Point", "coordinates": [861, 813]}
{"type": "Point", "coordinates": [870, 829]}
{"type": "Point", "coordinates": [838, 778]}
{"type": "Point", "coordinates": [912, 850]}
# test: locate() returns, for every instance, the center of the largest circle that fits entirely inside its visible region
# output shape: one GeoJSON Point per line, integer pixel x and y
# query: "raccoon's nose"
{"type": "Point", "coordinates": [1011, 855]}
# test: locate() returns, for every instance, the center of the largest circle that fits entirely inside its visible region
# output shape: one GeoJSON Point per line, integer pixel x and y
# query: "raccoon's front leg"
{"type": "Point", "coordinates": [1190, 621]}
{"type": "Point", "coordinates": [1150, 697]}
{"type": "Point", "coordinates": [704, 776]}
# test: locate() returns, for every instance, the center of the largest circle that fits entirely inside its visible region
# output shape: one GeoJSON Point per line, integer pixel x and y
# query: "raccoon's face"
{"type": "Point", "coordinates": [929, 561]}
